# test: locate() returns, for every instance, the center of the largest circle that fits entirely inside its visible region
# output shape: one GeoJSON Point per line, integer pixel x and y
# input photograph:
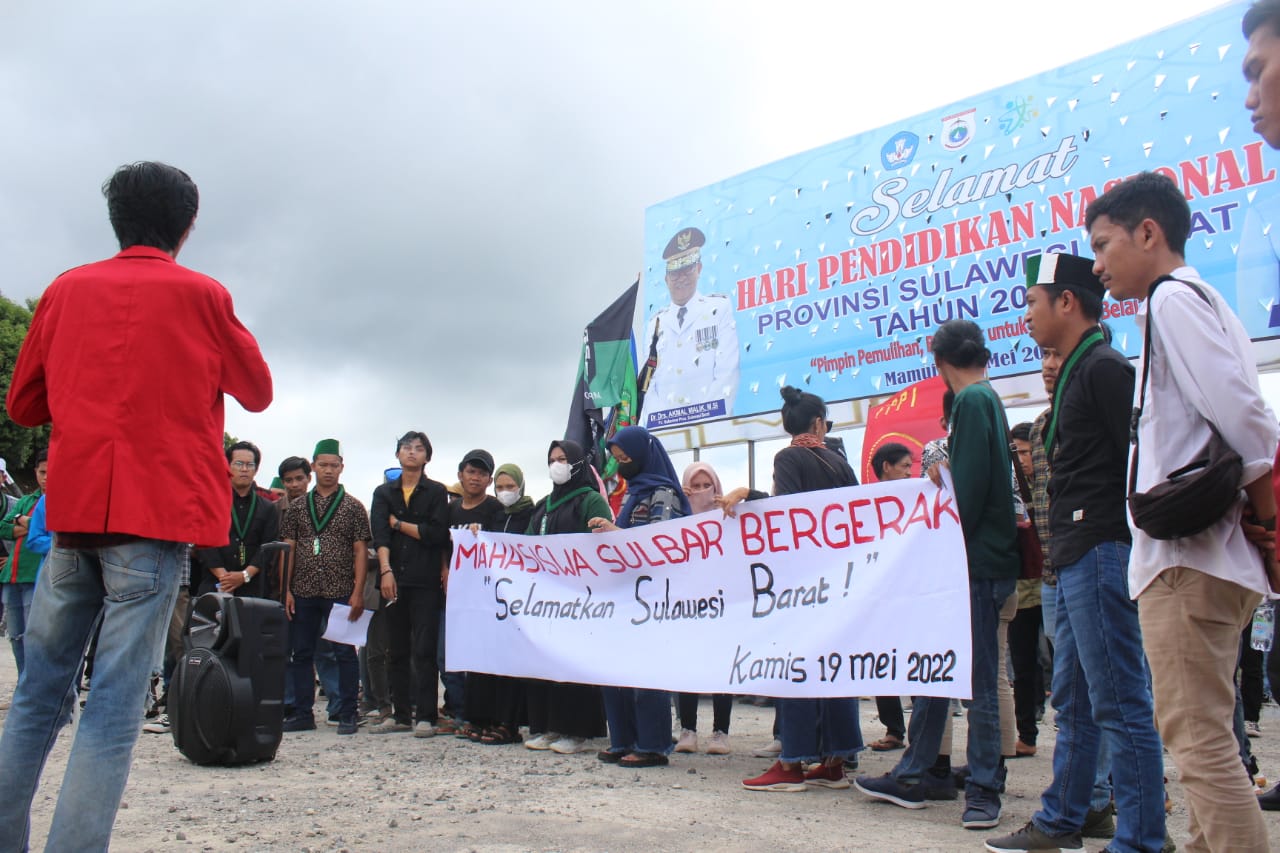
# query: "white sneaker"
{"type": "Point", "coordinates": [773, 750]}
{"type": "Point", "coordinates": [542, 741]}
{"type": "Point", "coordinates": [568, 745]}
{"type": "Point", "coordinates": [719, 744]}
{"type": "Point", "coordinates": [158, 726]}
{"type": "Point", "coordinates": [688, 741]}
{"type": "Point", "coordinates": [424, 729]}
{"type": "Point", "coordinates": [1252, 729]}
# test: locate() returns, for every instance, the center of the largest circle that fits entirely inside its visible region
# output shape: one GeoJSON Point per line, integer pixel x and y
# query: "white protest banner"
{"type": "Point", "coordinates": [861, 591]}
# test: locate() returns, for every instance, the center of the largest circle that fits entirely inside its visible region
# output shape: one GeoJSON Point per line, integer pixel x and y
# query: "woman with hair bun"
{"type": "Point", "coordinates": [811, 730]}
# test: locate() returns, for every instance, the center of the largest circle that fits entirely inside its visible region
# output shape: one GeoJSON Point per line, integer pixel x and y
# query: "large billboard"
{"type": "Point", "coordinates": [829, 270]}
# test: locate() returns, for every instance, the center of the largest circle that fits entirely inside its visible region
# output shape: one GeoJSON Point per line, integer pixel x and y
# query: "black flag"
{"type": "Point", "coordinates": [606, 378]}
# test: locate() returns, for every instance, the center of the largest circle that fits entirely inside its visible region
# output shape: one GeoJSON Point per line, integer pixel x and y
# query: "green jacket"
{"type": "Point", "coordinates": [22, 565]}
{"type": "Point", "coordinates": [981, 467]}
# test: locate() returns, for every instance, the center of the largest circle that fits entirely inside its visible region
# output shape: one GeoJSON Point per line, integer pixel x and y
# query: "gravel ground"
{"type": "Point", "coordinates": [396, 792]}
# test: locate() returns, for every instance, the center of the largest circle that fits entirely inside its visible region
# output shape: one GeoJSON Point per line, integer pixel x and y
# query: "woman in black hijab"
{"type": "Point", "coordinates": [562, 715]}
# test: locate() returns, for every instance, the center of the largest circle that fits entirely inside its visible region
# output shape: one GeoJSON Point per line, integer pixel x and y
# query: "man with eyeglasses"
{"type": "Point", "coordinates": [328, 530]}
{"type": "Point", "coordinates": [692, 343]}
{"type": "Point", "coordinates": [236, 567]}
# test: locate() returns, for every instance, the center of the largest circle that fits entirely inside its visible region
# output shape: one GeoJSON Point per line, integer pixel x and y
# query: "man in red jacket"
{"type": "Point", "coordinates": [129, 359]}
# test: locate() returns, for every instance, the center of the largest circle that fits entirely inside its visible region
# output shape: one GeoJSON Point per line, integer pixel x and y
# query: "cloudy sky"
{"type": "Point", "coordinates": [417, 206]}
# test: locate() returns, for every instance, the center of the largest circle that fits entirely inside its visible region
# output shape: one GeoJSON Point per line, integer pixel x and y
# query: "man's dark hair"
{"type": "Point", "coordinates": [960, 343]}
{"type": "Point", "coordinates": [1262, 12]}
{"type": "Point", "coordinates": [294, 463]}
{"type": "Point", "coordinates": [799, 408]}
{"type": "Point", "coordinates": [42, 456]}
{"type": "Point", "coordinates": [249, 446]}
{"type": "Point", "coordinates": [414, 435]}
{"type": "Point", "coordinates": [1090, 302]}
{"type": "Point", "coordinates": [889, 454]}
{"type": "Point", "coordinates": [151, 204]}
{"type": "Point", "coordinates": [1020, 432]}
{"type": "Point", "coordinates": [1147, 195]}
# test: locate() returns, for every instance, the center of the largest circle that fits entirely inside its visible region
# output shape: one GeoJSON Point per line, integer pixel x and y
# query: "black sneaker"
{"type": "Point", "coordinates": [348, 725]}
{"type": "Point", "coordinates": [890, 790]}
{"type": "Point", "coordinates": [1031, 837]}
{"type": "Point", "coordinates": [300, 723]}
{"type": "Point", "coordinates": [938, 787]}
{"type": "Point", "coordinates": [981, 808]}
{"type": "Point", "coordinates": [1100, 823]}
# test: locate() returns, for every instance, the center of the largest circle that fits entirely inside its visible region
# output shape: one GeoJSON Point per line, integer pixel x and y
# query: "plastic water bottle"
{"type": "Point", "coordinates": [1264, 626]}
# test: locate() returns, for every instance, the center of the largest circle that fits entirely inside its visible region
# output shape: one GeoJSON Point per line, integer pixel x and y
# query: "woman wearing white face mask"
{"type": "Point", "coordinates": [563, 716]}
{"type": "Point", "coordinates": [702, 487]}
{"type": "Point", "coordinates": [494, 702]}
{"type": "Point", "coordinates": [508, 486]}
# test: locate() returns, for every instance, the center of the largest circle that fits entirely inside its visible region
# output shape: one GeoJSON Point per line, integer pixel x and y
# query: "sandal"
{"type": "Point", "coordinates": [644, 759]}
{"type": "Point", "coordinates": [886, 743]}
{"type": "Point", "coordinates": [609, 756]}
{"type": "Point", "coordinates": [467, 731]}
{"type": "Point", "coordinates": [500, 736]}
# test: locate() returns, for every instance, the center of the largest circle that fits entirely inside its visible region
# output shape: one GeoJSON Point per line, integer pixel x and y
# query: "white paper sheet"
{"type": "Point", "coordinates": [341, 630]}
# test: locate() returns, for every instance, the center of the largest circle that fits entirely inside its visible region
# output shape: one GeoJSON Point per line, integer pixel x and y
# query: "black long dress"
{"type": "Point", "coordinates": [498, 700]}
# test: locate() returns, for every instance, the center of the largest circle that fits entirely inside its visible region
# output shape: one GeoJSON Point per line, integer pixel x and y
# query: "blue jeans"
{"type": "Point", "coordinates": [132, 587]}
{"type": "Point", "coordinates": [1049, 611]}
{"type": "Point", "coordinates": [326, 661]}
{"type": "Point", "coordinates": [639, 720]}
{"type": "Point", "coordinates": [1101, 690]}
{"type": "Point", "coordinates": [17, 603]}
{"type": "Point", "coordinates": [1101, 795]}
{"type": "Point", "coordinates": [929, 714]}
{"type": "Point", "coordinates": [814, 729]}
{"type": "Point", "coordinates": [309, 617]}
{"type": "Point", "coordinates": [455, 684]}
{"type": "Point", "coordinates": [326, 666]}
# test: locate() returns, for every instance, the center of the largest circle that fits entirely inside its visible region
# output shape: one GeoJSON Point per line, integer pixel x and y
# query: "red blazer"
{"type": "Point", "coordinates": [129, 359]}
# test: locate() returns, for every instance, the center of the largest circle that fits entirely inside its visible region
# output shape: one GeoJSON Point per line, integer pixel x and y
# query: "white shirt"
{"type": "Point", "coordinates": [697, 346]}
{"type": "Point", "coordinates": [1202, 372]}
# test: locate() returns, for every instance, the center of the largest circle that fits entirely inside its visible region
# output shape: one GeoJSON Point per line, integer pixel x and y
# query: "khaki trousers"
{"type": "Point", "coordinates": [1191, 624]}
{"type": "Point", "coordinates": [1008, 725]}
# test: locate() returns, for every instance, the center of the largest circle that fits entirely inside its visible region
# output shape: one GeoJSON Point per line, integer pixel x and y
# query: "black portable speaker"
{"type": "Point", "coordinates": [226, 702]}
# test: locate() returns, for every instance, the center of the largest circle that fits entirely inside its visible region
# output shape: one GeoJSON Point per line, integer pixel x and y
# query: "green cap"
{"type": "Point", "coordinates": [327, 445]}
{"type": "Point", "coordinates": [276, 484]}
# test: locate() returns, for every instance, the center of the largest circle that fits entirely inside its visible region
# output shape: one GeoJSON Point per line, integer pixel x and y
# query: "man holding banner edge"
{"type": "Point", "coordinates": [981, 469]}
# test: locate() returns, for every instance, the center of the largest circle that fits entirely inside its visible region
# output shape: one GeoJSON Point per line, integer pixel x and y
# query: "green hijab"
{"type": "Point", "coordinates": [513, 471]}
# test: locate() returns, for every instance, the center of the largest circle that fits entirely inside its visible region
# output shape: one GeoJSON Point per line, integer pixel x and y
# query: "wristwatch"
{"type": "Point", "coordinates": [245, 572]}
{"type": "Point", "coordinates": [396, 526]}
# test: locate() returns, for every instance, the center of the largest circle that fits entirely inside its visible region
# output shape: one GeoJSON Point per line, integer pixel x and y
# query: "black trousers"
{"type": "Point", "coordinates": [413, 625]}
{"type": "Point", "coordinates": [721, 708]}
{"type": "Point", "coordinates": [1028, 677]}
{"type": "Point", "coordinates": [889, 709]}
{"type": "Point", "coordinates": [1251, 686]}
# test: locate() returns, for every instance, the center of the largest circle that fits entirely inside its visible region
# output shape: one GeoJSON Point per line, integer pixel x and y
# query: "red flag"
{"type": "Point", "coordinates": [910, 417]}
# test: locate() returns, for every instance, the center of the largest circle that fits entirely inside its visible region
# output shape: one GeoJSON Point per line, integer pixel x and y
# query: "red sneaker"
{"type": "Point", "coordinates": [777, 778]}
{"type": "Point", "coordinates": [827, 776]}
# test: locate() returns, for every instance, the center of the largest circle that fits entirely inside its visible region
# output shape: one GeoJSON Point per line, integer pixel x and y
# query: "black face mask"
{"type": "Point", "coordinates": [629, 470]}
